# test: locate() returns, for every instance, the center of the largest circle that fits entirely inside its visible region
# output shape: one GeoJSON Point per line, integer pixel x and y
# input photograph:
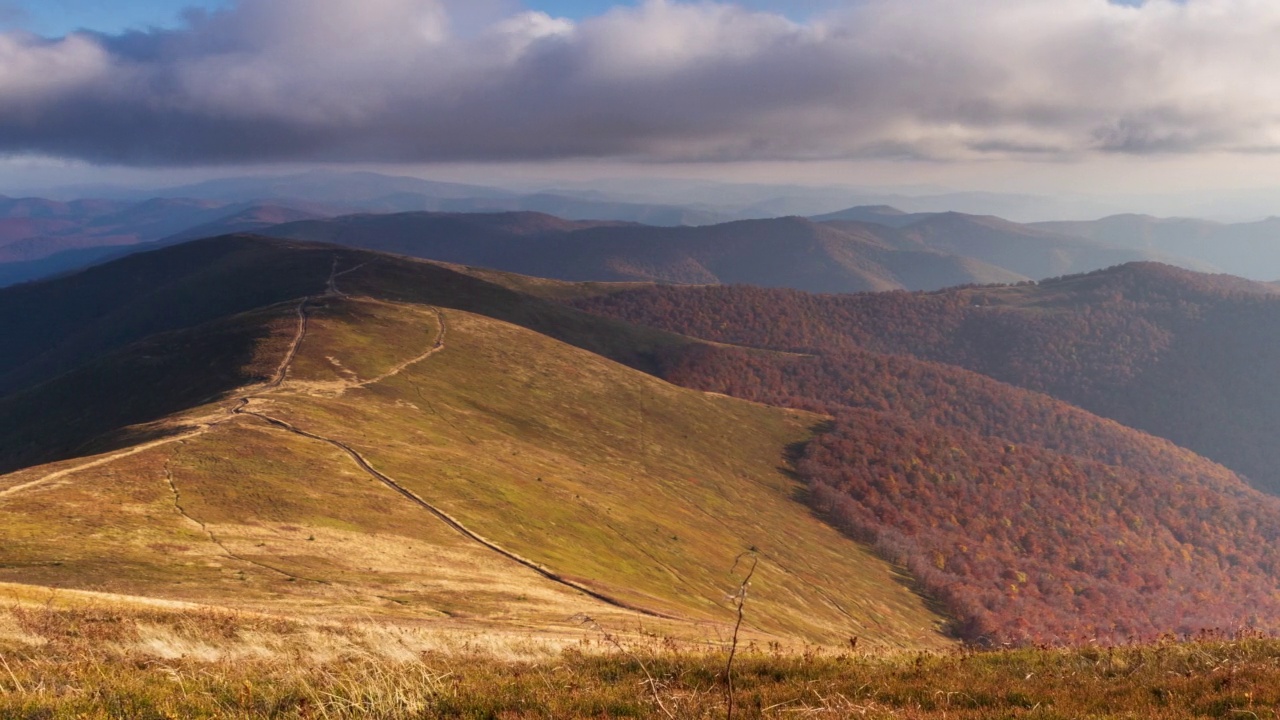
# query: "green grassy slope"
{"type": "Point", "coordinates": [567, 471]}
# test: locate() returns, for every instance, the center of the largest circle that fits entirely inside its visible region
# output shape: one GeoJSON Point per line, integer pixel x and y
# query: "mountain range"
{"type": "Point", "coordinates": [868, 247]}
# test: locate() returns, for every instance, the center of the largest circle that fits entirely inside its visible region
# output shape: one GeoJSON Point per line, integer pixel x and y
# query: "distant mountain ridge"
{"type": "Point", "coordinates": [1036, 251]}
{"type": "Point", "coordinates": [928, 253]}
{"type": "Point", "coordinates": [785, 252]}
{"type": "Point", "coordinates": [1249, 250]}
{"type": "Point", "coordinates": [377, 193]}
{"type": "Point", "coordinates": [870, 247]}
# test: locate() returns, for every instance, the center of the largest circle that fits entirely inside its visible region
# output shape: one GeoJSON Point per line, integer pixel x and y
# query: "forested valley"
{"type": "Point", "coordinates": [961, 447]}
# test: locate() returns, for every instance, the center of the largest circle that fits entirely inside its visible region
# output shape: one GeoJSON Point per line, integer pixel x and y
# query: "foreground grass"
{"type": "Point", "coordinates": [101, 661]}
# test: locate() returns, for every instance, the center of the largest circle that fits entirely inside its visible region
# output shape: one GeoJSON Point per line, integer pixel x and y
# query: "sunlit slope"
{"type": "Point", "coordinates": [435, 464]}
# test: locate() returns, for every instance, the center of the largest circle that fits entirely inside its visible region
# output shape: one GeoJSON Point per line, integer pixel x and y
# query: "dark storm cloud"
{"type": "Point", "coordinates": [420, 80]}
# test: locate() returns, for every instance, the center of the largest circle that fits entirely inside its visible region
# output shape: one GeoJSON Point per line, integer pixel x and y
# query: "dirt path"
{"type": "Point", "coordinates": [100, 462]}
{"type": "Point", "coordinates": [177, 504]}
{"type": "Point", "coordinates": [451, 521]}
{"type": "Point", "coordinates": [401, 367]}
{"type": "Point", "coordinates": [331, 288]}
{"type": "Point", "coordinates": [240, 409]}
{"type": "Point", "coordinates": [301, 333]}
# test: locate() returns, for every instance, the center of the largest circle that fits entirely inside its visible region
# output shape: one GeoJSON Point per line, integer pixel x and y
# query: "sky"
{"type": "Point", "coordinates": [52, 18]}
{"type": "Point", "coordinates": [1047, 96]}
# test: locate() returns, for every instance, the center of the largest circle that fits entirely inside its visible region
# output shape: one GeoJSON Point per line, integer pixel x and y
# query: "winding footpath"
{"type": "Point", "coordinates": [451, 521]}
{"type": "Point", "coordinates": [274, 383]}
{"type": "Point", "coordinates": [99, 462]}
{"type": "Point", "coordinates": [241, 408]}
{"type": "Point", "coordinates": [401, 367]}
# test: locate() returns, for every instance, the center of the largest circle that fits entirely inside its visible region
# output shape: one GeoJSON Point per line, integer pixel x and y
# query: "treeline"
{"type": "Point", "coordinates": [1031, 519]}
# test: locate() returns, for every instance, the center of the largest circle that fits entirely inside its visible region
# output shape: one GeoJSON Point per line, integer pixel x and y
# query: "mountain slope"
{"type": "Point", "coordinates": [365, 453]}
{"type": "Point", "coordinates": [1185, 356]}
{"type": "Point", "coordinates": [1031, 519]}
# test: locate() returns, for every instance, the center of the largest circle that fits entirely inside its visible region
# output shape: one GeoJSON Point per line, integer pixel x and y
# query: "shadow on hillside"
{"type": "Point", "coordinates": [115, 401]}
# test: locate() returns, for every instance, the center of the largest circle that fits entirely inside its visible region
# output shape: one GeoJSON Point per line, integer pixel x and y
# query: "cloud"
{"type": "Point", "coordinates": [428, 80]}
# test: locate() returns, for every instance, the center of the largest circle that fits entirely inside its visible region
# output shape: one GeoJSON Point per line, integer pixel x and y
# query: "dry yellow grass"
{"type": "Point", "coordinates": [567, 471]}
{"type": "Point", "coordinates": [77, 655]}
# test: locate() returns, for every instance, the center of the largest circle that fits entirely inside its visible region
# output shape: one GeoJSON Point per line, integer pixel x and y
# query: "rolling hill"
{"type": "Point", "coordinates": [372, 439]}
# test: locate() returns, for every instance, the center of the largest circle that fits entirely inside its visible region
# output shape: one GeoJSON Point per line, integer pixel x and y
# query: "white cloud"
{"type": "Point", "coordinates": [31, 69]}
{"type": "Point", "coordinates": [422, 80]}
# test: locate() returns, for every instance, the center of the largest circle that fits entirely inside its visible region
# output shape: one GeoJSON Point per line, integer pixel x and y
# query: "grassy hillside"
{"type": "Point", "coordinates": [400, 460]}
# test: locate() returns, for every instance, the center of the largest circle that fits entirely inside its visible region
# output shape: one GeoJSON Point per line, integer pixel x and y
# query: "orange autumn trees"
{"type": "Point", "coordinates": [1031, 519]}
